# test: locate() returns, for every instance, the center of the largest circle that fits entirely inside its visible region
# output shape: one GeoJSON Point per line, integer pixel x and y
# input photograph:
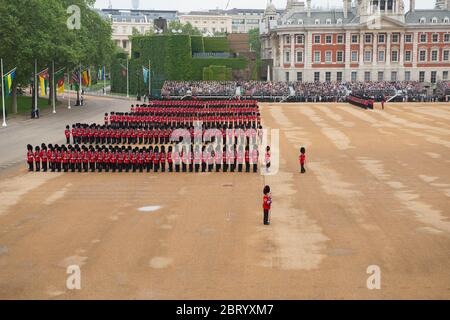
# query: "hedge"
{"type": "Point", "coordinates": [216, 44]}
{"type": "Point", "coordinates": [197, 44]}
{"type": "Point", "coordinates": [171, 59]}
{"type": "Point", "coordinates": [217, 73]}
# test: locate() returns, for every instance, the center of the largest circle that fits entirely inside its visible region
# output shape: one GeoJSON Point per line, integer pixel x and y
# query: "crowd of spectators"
{"type": "Point", "coordinates": [331, 91]}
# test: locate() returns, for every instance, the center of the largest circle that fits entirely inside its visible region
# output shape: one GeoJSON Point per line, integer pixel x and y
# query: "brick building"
{"type": "Point", "coordinates": [368, 40]}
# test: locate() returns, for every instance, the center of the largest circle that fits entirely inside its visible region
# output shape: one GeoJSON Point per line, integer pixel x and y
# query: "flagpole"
{"type": "Point", "coordinates": [128, 85]}
{"type": "Point", "coordinates": [53, 87]}
{"type": "Point", "coordinates": [35, 86]}
{"type": "Point", "coordinates": [149, 81]}
{"type": "Point", "coordinates": [79, 87]}
{"type": "Point", "coordinates": [3, 96]}
{"type": "Point", "coordinates": [104, 80]}
{"type": "Point", "coordinates": [68, 89]}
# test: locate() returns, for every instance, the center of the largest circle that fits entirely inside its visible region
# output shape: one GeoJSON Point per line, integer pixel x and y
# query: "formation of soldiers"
{"type": "Point", "coordinates": [173, 136]}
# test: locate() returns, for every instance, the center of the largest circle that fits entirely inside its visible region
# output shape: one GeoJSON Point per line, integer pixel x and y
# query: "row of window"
{"type": "Point", "coordinates": [382, 38]}
{"type": "Point", "coordinates": [422, 20]}
{"type": "Point", "coordinates": [368, 56]}
{"type": "Point", "coordinates": [368, 76]}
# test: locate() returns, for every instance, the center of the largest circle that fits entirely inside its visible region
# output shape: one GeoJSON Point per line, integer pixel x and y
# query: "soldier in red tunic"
{"type": "Point", "coordinates": [267, 202]}
{"type": "Point", "coordinates": [30, 157]}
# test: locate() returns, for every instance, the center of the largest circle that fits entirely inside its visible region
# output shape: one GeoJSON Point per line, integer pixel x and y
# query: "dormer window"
{"type": "Point", "coordinates": [446, 20]}
{"type": "Point", "coordinates": [289, 21]}
{"type": "Point", "coordinates": [317, 21]}
{"type": "Point", "coordinates": [434, 20]}
{"type": "Point", "coordinates": [422, 20]}
{"type": "Point", "coordinates": [339, 21]}
{"type": "Point", "coordinates": [328, 21]}
{"type": "Point", "coordinates": [300, 21]}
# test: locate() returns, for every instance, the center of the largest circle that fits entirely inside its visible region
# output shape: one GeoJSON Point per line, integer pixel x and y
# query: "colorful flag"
{"type": "Point", "coordinates": [43, 81]}
{"type": "Point", "coordinates": [146, 74]}
{"type": "Point", "coordinates": [8, 79]}
{"type": "Point", "coordinates": [123, 70]}
{"type": "Point", "coordinates": [86, 78]}
{"type": "Point", "coordinates": [59, 79]}
{"type": "Point", "coordinates": [101, 74]}
{"type": "Point", "coordinates": [75, 79]}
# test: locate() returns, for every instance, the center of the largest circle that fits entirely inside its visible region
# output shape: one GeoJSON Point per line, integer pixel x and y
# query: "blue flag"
{"type": "Point", "coordinates": [146, 74]}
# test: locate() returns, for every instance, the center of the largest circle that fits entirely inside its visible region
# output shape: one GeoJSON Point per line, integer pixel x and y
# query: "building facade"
{"type": "Point", "coordinates": [125, 21]}
{"type": "Point", "coordinates": [207, 22]}
{"type": "Point", "coordinates": [368, 40]}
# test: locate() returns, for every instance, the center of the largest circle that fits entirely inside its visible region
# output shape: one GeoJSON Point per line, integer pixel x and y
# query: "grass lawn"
{"type": "Point", "coordinates": [24, 104]}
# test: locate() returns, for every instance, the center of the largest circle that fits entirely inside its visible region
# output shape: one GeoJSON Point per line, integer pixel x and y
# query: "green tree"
{"type": "Point", "coordinates": [37, 29]}
{"type": "Point", "coordinates": [255, 42]}
{"type": "Point", "coordinates": [186, 28]}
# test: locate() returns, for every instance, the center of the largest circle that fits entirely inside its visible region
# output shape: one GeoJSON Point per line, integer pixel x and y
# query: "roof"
{"type": "Point", "coordinates": [415, 16]}
{"type": "Point", "coordinates": [322, 16]}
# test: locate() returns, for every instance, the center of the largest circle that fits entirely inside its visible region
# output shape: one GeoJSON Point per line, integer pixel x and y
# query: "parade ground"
{"type": "Point", "coordinates": [376, 193]}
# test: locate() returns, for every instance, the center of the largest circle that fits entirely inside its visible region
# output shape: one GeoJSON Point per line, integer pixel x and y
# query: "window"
{"type": "Point", "coordinates": [395, 38]}
{"type": "Point", "coordinates": [299, 39]}
{"type": "Point", "coordinates": [434, 20]}
{"type": "Point", "coordinates": [339, 56]}
{"type": "Point", "coordinates": [340, 38]}
{"type": "Point", "coordinates": [381, 38]}
{"type": "Point", "coordinates": [328, 76]}
{"type": "Point", "coordinates": [354, 55]}
{"type": "Point", "coordinates": [447, 37]}
{"type": "Point", "coordinates": [317, 21]}
{"type": "Point", "coordinates": [394, 76]}
{"type": "Point", "coordinates": [444, 75]}
{"type": "Point", "coordinates": [327, 56]}
{"type": "Point", "coordinates": [300, 21]}
{"type": "Point", "coordinates": [380, 75]}
{"type": "Point", "coordinates": [339, 21]}
{"type": "Point", "coordinates": [287, 39]}
{"type": "Point", "coordinates": [339, 76]}
{"type": "Point", "coordinates": [394, 56]}
{"type": "Point", "coordinates": [446, 20]}
{"type": "Point", "coordinates": [434, 55]}
{"type": "Point", "coordinates": [316, 76]}
{"type": "Point", "coordinates": [422, 55]}
{"type": "Point", "coordinates": [433, 76]}
{"type": "Point", "coordinates": [421, 76]}
{"type": "Point", "coordinates": [354, 76]}
{"type": "Point", "coordinates": [407, 56]}
{"type": "Point", "coordinates": [317, 39]}
{"type": "Point", "coordinates": [299, 76]}
{"type": "Point", "coordinates": [287, 56]}
{"type": "Point", "coordinates": [368, 38]}
{"type": "Point", "coordinates": [328, 21]}
{"type": "Point", "coordinates": [422, 20]}
{"type": "Point", "coordinates": [408, 38]}
{"type": "Point", "coordinates": [367, 76]}
{"type": "Point", "coordinates": [367, 56]}
{"type": "Point", "coordinates": [354, 38]}
{"type": "Point", "coordinates": [317, 56]}
{"type": "Point", "coordinates": [435, 37]}
{"type": "Point", "coordinates": [287, 76]}
{"type": "Point", "coordinates": [328, 39]}
{"type": "Point", "coordinates": [445, 55]}
{"type": "Point", "coordinates": [299, 56]}
{"type": "Point", "coordinates": [381, 56]}
{"type": "Point", "coordinates": [407, 75]}
{"type": "Point", "coordinates": [124, 44]}
{"type": "Point", "coordinates": [423, 37]}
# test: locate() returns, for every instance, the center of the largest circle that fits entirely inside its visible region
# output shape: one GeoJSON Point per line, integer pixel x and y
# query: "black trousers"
{"type": "Point", "coordinates": [266, 216]}
{"type": "Point", "coordinates": [44, 166]}
{"type": "Point", "coordinates": [170, 166]}
{"type": "Point", "coordinates": [247, 167]}
{"type": "Point", "coordinates": [255, 167]}
{"type": "Point", "coordinates": [302, 170]}
{"type": "Point", "coordinates": [30, 166]}
{"type": "Point", "coordinates": [197, 167]}
{"type": "Point", "coordinates": [38, 165]}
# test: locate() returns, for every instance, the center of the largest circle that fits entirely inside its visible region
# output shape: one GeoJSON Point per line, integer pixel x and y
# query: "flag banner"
{"type": "Point", "coordinates": [8, 79]}
{"type": "Point", "coordinates": [123, 70]}
{"type": "Point", "coordinates": [146, 74]}
{"type": "Point", "coordinates": [59, 79]}
{"type": "Point", "coordinates": [85, 78]}
{"type": "Point", "coordinates": [75, 79]}
{"type": "Point", "coordinates": [101, 74]}
{"type": "Point", "coordinates": [43, 81]}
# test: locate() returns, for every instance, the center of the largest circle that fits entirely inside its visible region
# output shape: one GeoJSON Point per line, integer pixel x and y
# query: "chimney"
{"type": "Point", "coordinates": [308, 8]}
{"type": "Point", "coordinates": [412, 5]}
{"type": "Point", "coordinates": [345, 8]}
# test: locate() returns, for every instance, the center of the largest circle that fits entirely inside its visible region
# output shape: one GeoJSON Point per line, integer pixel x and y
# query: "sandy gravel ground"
{"type": "Point", "coordinates": [376, 192]}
